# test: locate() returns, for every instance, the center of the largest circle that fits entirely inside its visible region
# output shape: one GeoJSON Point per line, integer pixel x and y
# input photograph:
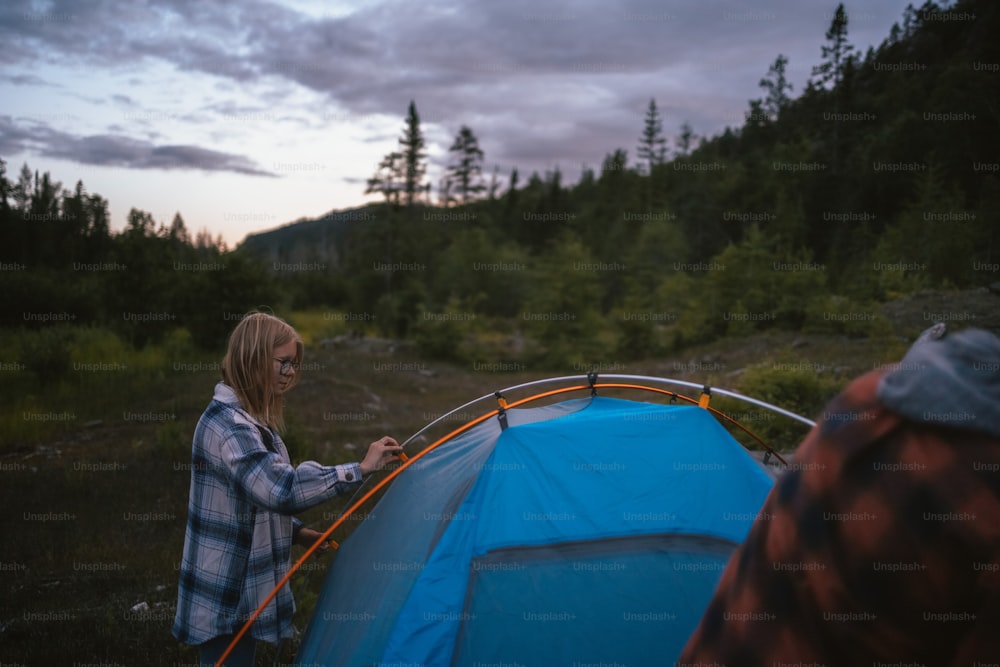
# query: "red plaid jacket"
{"type": "Point", "coordinates": [880, 545]}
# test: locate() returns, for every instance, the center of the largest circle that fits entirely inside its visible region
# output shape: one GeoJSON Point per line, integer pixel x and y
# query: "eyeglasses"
{"type": "Point", "coordinates": [287, 365]}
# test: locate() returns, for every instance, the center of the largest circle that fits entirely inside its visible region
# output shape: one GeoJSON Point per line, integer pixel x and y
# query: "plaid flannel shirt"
{"type": "Point", "coordinates": [239, 528]}
{"type": "Point", "coordinates": [880, 545]}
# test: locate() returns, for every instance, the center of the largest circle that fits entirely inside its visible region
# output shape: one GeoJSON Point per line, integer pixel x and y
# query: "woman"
{"type": "Point", "coordinates": [244, 491]}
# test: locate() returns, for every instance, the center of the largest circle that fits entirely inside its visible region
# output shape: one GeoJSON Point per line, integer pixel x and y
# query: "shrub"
{"type": "Point", "coordinates": [836, 314]}
{"type": "Point", "coordinates": [47, 352]}
{"type": "Point", "coordinates": [797, 389]}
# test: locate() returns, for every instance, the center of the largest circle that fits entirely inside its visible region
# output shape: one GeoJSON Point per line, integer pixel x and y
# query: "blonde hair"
{"type": "Point", "coordinates": [248, 366]}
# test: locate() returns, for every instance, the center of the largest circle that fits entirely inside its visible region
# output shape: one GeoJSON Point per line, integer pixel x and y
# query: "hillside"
{"type": "Point", "coordinates": [309, 240]}
{"type": "Point", "coordinates": [880, 181]}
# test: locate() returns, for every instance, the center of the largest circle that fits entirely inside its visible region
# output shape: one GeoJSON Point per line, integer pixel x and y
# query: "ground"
{"type": "Point", "coordinates": [95, 517]}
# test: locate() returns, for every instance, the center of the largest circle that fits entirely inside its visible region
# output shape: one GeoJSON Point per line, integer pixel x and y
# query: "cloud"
{"type": "Point", "coordinates": [118, 151]}
{"type": "Point", "coordinates": [24, 80]}
{"type": "Point", "coordinates": [544, 84]}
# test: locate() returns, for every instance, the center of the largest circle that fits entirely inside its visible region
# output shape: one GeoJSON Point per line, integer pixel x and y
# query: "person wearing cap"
{"type": "Point", "coordinates": [881, 542]}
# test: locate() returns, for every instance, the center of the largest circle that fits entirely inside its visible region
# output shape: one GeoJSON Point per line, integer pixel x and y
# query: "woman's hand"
{"type": "Point", "coordinates": [380, 453]}
{"type": "Point", "coordinates": [306, 537]}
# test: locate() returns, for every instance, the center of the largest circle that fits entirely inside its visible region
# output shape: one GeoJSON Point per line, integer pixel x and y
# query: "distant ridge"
{"type": "Point", "coordinates": [311, 239]}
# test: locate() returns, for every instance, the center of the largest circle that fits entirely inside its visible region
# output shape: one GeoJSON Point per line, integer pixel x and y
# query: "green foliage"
{"type": "Point", "coordinates": [465, 173]}
{"type": "Point", "coordinates": [443, 335]}
{"type": "Point", "coordinates": [836, 314]}
{"type": "Point", "coordinates": [314, 326]}
{"type": "Point", "coordinates": [757, 285]}
{"type": "Point", "coordinates": [860, 187]}
{"type": "Point", "coordinates": [46, 353]}
{"type": "Point", "coordinates": [639, 329]}
{"type": "Point", "coordinates": [562, 314]}
{"type": "Point", "coordinates": [791, 385]}
{"type": "Point", "coordinates": [806, 214]}
{"type": "Point", "coordinates": [66, 376]}
{"type": "Point", "coordinates": [777, 87]}
{"type": "Point", "coordinates": [930, 243]}
{"type": "Point", "coordinates": [652, 144]}
{"type": "Point", "coordinates": [837, 52]}
{"type": "Point", "coordinates": [683, 307]}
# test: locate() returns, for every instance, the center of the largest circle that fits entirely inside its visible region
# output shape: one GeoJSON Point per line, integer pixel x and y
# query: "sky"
{"type": "Point", "coordinates": [244, 116]}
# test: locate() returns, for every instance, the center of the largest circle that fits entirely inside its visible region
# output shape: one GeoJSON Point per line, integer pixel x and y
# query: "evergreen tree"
{"type": "Point", "coordinates": [445, 197]}
{"type": "Point", "coordinates": [837, 55]}
{"type": "Point", "coordinates": [777, 87]}
{"type": "Point", "coordinates": [511, 197]}
{"type": "Point", "coordinates": [836, 52]}
{"type": "Point", "coordinates": [22, 189]}
{"type": "Point", "coordinates": [5, 189]}
{"type": "Point", "coordinates": [512, 188]}
{"type": "Point", "coordinates": [652, 144]}
{"type": "Point", "coordinates": [465, 173]}
{"type": "Point", "coordinates": [99, 231]}
{"type": "Point", "coordinates": [411, 146]}
{"type": "Point", "coordinates": [494, 187]}
{"type": "Point", "coordinates": [388, 178]}
{"type": "Point", "coordinates": [73, 223]}
{"type": "Point", "coordinates": [686, 140]}
{"type": "Point", "coordinates": [178, 230]}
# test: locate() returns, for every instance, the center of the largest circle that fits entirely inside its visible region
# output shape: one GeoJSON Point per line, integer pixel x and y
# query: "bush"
{"type": "Point", "coordinates": [835, 314]}
{"type": "Point", "coordinates": [793, 387]}
{"type": "Point", "coordinates": [441, 335]}
{"type": "Point", "coordinates": [47, 352]}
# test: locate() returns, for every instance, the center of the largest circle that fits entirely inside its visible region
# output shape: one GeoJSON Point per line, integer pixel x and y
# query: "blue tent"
{"type": "Point", "coordinates": [587, 531]}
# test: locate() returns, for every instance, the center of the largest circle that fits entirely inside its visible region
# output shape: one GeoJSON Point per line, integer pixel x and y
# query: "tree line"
{"type": "Point", "coordinates": [879, 178]}
{"type": "Point", "coordinates": [62, 264]}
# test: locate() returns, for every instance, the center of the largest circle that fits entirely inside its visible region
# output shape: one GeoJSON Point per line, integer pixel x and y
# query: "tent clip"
{"type": "Point", "coordinates": [706, 397]}
{"type": "Point", "coordinates": [592, 379]}
{"type": "Point", "coordinates": [501, 410]}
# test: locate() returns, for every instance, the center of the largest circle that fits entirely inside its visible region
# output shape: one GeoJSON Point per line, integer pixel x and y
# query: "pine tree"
{"type": "Point", "coordinates": [838, 56]}
{"type": "Point", "coordinates": [411, 146]}
{"type": "Point", "coordinates": [445, 197]}
{"type": "Point", "coordinates": [494, 187]}
{"type": "Point", "coordinates": [5, 189]}
{"type": "Point", "coordinates": [178, 230]}
{"type": "Point", "coordinates": [777, 87]}
{"type": "Point", "coordinates": [22, 189]}
{"type": "Point", "coordinates": [388, 178]}
{"type": "Point", "coordinates": [652, 144]}
{"type": "Point", "coordinates": [653, 150]}
{"type": "Point", "coordinates": [686, 140]}
{"type": "Point", "coordinates": [465, 174]}
{"type": "Point", "coordinates": [836, 53]}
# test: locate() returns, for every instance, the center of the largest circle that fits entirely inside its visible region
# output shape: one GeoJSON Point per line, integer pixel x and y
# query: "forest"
{"type": "Point", "coordinates": [881, 177]}
{"type": "Point", "coordinates": [808, 243]}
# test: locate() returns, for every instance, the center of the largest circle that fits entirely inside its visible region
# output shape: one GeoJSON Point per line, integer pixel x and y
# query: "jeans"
{"type": "Point", "coordinates": [241, 656]}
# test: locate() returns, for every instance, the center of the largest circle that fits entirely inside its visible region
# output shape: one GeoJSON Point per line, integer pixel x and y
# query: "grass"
{"type": "Point", "coordinates": [96, 505]}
